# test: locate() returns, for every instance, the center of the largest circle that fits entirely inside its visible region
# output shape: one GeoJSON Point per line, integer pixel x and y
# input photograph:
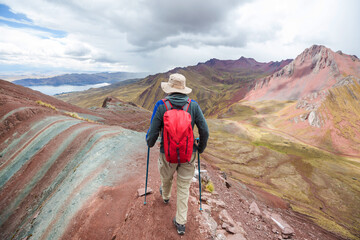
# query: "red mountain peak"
{"type": "Point", "coordinates": [316, 68]}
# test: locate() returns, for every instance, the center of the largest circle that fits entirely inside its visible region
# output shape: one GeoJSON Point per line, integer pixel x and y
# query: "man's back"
{"type": "Point", "coordinates": [177, 90]}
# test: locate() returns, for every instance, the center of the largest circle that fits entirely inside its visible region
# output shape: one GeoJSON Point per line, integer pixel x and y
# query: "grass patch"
{"type": "Point", "coordinates": [209, 187]}
{"type": "Point", "coordinates": [41, 103]}
{"type": "Point", "coordinates": [342, 106]}
{"type": "Point", "coordinates": [324, 222]}
{"type": "Point", "coordinates": [75, 115]}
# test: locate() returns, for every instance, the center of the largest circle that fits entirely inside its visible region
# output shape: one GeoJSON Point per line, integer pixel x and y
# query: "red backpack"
{"type": "Point", "coordinates": [178, 133]}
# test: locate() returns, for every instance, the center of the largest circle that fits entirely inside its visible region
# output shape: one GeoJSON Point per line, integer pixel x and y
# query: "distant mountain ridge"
{"type": "Point", "coordinates": [80, 79]}
{"type": "Point", "coordinates": [245, 63]}
{"type": "Point", "coordinates": [215, 83]}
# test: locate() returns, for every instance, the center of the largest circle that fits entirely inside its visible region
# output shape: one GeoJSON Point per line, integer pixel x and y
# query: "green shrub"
{"type": "Point", "coordinates": [209, 187]}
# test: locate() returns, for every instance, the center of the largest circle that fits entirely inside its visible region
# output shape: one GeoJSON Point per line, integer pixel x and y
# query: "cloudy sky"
{"type": "Point", "coordinates": [58, 36]}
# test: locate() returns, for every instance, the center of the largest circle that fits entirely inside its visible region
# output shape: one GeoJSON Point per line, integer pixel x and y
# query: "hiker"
{"type": "Point", "coordinates": [180, 160]}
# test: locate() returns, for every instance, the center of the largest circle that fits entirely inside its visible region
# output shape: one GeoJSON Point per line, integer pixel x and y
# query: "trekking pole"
{"type": "Point", "coordinates": [147, 171]}
{"type": "Point", "coordinates": [197, 140]}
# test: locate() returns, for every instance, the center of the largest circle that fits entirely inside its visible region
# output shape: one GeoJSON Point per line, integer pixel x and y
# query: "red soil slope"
{"type": "Point", "coordinates": [51, 163]}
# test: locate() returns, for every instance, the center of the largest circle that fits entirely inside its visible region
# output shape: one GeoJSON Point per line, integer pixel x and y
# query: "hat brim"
{"type": "Point", "coordinates": [167, 89]}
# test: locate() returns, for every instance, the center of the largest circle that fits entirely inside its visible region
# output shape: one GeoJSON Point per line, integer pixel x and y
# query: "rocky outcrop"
{"type": "Point", "coordinates": [311, 102]}
{"type": "Point", "coordinates": [347, 80]}
{"type": "Point", "coordinates": [126, 114]}
{"type": "Point", "coordinates": [322, 57]}
{"type": "Point", "coordinates": [286, 230]}
{"type": "Point", "coordinates": [314, 119]}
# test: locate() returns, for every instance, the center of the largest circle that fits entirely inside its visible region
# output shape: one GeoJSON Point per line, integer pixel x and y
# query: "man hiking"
{"type": "Point", "coordinates": [175, 117]}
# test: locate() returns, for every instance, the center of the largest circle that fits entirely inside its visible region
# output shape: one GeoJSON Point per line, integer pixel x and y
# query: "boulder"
{"type": "Point", "coordinates": [303, 117]}
{"type": "Point", "coordinates": [226, 218]}
{"type": "Point", "coordinates": [274, 230]}
{"type": "Point", "coordinates": [204, 198]}
{"type": "Point", "coordinates": [206, 208]}
{"type": "Point", "coordinates": [235, 229]}
{"type": "Point", "coordinates": [286, 229]}
{"type": "Point", "coordinates": [203, 175]}
{"type": "Point", "coordinates": [254, 209]}
{"type": "Point", "coordinates": [224, 225]}
{"type": "Point", "coordinates": [296, 120]}
{"type": "Point", "coordinates": [209, 223]}
{"type": "Point", "coordinates": [216, 203]}
{"type": "Point", "coordinates": [220, 236]}
{"type": "Point", "coordinates": [314, 119]}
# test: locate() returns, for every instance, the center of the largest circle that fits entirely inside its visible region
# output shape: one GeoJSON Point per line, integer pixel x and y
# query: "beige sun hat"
{"type": "Point", "coordinates": [176, 84]}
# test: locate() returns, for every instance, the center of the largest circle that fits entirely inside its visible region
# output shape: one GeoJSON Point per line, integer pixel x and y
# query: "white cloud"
{"type": "Point", "coordinates": [155, 35]}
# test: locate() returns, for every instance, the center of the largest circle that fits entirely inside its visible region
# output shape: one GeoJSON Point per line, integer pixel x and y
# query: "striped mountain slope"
{"type": "Point", "coordinates": [52, 164]}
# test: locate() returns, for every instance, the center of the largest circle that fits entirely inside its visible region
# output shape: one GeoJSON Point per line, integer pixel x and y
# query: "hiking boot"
{"type": "Point", "coordinates": [179, 227]}
{"type": "Point", "coordinates": [166, 201]}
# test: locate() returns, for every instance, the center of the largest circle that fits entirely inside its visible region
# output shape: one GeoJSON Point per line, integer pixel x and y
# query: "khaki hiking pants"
{"type": "Point", "coordinates": [185, 172]}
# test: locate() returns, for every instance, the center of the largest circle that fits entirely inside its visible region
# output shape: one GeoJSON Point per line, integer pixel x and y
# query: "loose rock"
{"type": "Point", "coordinates": [216, 203]}
{"type": "Point", "coordinates": [141, 191]}
{"type": "Point", "coordinates": [215, 193]}
{"type": "Point", "coordinates": [206, 208]}
{"type": "Point", "coordinates": [254, 209]}
{"type": "Point", "coordinates": [226, 218]}
{"type": "Point", "coordinates": [286, 229]}
{"type": "Point", "coordinates": [208, 223]}
{"type": "Point", "coordinates": [237, 236]}
{"type": "Point", "coordinates": [220, 236]}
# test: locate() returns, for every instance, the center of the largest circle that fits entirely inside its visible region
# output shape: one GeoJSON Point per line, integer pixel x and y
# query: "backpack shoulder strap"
{"type": "Point", "coordinates": [187, 105]}
{"type": "Point", "coordinates": [167, 104]}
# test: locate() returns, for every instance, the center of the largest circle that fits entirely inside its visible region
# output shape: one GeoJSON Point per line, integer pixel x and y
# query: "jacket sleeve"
{"type": "Point", "coordinates": [155, 125]}
{"type": "Point", "coordinates": [203, 129]}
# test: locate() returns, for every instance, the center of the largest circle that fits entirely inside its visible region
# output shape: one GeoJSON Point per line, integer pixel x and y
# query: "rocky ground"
{"type": "Point", "coordinates": [232, 211]}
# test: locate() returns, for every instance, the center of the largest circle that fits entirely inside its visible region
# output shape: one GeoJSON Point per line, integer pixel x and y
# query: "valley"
{"type": "Point", "coordinates": [318, 183]}
{"type": "Point", "coordinates": [291, 131]}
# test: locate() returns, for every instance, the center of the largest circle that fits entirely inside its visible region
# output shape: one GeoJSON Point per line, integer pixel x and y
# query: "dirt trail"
{"type": "Point", "coordinates": [118, 213]}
